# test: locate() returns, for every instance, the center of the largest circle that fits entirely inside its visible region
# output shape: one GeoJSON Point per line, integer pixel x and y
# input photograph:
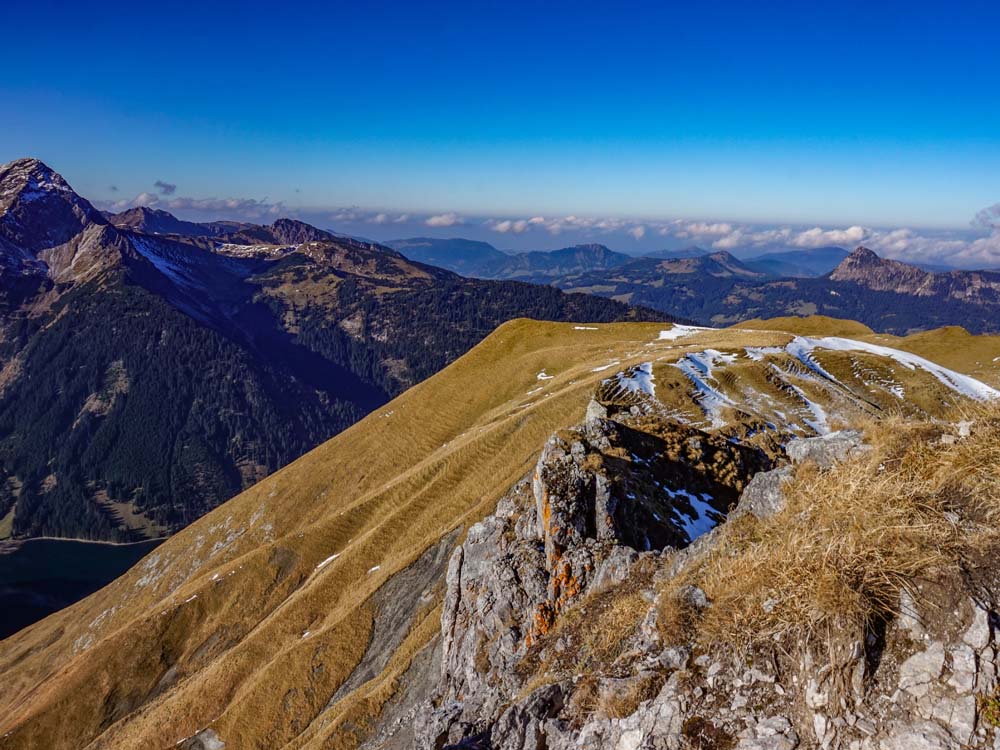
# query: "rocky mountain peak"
{"type": "Point", "coordinates": [38, 208]}
{"type": "Point", "coordinates": [724, 263]}
{"type": "Point", "coordinates": [863, 266]}
{"type": "Point", "coordinates": [157, 221]}
{"type": "Point", "coordinates": [862, 254]}
{"type": "Point", "coordinates": [293, 232]}
{"type": "Point", "coordinates": [144, 213]}
{"type": "Point", "coordinates": [723, 256]}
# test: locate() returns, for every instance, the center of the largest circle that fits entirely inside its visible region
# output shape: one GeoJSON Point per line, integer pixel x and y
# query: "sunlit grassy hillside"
{"type": "Point", "coordinates": [250, 619]}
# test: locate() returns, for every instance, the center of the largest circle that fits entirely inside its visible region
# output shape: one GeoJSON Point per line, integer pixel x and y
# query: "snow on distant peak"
{"type": "Point", "coordinates": [254, 251]}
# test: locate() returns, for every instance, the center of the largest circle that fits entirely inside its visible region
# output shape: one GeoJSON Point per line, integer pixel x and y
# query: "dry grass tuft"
{"type": "Point", "coordinates": [618, 705]}
{"type": "Point", "coordinates": [836, 559]}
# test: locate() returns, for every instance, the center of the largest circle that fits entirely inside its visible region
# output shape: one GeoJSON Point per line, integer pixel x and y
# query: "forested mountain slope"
{"type": "Point", "coordinates": [145, 377]}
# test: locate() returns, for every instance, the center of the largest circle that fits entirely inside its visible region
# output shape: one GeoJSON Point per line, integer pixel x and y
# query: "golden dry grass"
{"type": "Point", "coordinates": [814, 325]}
{"type": "Point", "coordinates": [225, 602]}
{"type": "Point", "coordinates": [851, 538]}
{"type": "Point", "coordinates": [7, 524]}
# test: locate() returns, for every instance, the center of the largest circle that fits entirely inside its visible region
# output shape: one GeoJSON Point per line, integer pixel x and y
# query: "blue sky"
{"type": "Point", "coordinates": [879, 115]}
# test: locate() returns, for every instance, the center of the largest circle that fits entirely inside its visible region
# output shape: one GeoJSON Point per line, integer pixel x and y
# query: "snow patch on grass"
{"type": "Point", "coordinates": [699, 368]}
{"type": "Point", "coordinates": [637, 380]}
{"type": "Point", "coordinates": [327, 561]}
{"type": "Point", "coordinates": [608, 366]}
{"type": "Point", "coordinates": [802, 347]}
{"type": "Point", "coordinates": [680, 331]}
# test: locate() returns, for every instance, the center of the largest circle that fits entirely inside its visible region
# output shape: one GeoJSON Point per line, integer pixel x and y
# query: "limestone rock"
{"type": "Point", "coordinates": [596, 410]}
{"type": "Point", "coordinates": [918, 673]}
{"type": "Point", "coordinates": [522, 726]}
{"type": "Point", "coordinates": [825, 450]}
{"type": "Point", "coordinates": [978, 635]}
{"type": "Point", "coordinates": [763, 496]}
{"type": "Point", "coordinates": [919, 736]}
{"type": "Point", "coordinates": [773, 733]}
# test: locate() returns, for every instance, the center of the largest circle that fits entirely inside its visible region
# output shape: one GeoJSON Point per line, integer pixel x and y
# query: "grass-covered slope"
{"type": "Point", "coordinates": [251, 619]}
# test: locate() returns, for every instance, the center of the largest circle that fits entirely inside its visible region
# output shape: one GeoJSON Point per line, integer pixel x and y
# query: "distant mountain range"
{"type": "Point", "coordinates": [151, 367]}
{"type": "Point", "coordinates": [799, 263]}
{"type": "Point", "coordinates": [482, 260]}
{"type": "Point", "coordinates": [467, 257]}
{"type": "Point", "coordinates": [719, 289]}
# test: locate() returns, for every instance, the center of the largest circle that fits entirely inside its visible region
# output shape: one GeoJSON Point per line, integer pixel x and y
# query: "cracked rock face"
{"type": "Point", "coordinates": [603, 497]}
{"type": "Point", "coordinates": [603, 512]}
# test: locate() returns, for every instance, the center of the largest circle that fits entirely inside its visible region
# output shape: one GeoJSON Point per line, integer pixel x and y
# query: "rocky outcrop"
{"type": "Point", "coordinates": [764, 496]}
{"type": "Point", "coordinates": [825, 450]}
{"type": "Point", "coordinates": [517, 667]}
{"type": "Point", "coordinates": [605, 499]}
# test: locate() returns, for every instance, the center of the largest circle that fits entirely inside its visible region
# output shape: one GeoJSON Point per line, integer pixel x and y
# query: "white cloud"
{"type": "Point", "coordinates": [347, 215]}
{"type": "Point", "coordinates": [818, 237]}
{"type": "Point", "coordinates": [239, 208]}
{"type": "Point", "coordinates": [249, 209]}
{"type": "Point", "coordinates": [638, 232]}
{"type": "Point", "coordinates": [730, 241]}
{"type": "Point", "coordinates": [443, 220]}
{"type": "Point", "coordinates": [684, 229]}
{"type": "Point", "coordinates": [379, 219]}
{"type": "Point", "coordinates": [146, 199]}
{"type": "Point", "coordinates": [509, 225]}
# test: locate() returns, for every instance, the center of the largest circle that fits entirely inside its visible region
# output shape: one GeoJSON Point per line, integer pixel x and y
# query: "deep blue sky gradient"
{"type": "Point", "coordinates": [835, 113]}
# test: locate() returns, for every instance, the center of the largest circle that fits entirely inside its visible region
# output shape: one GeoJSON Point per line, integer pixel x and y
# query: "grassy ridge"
{"type": "Point", "coordinates": [208, 630]}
